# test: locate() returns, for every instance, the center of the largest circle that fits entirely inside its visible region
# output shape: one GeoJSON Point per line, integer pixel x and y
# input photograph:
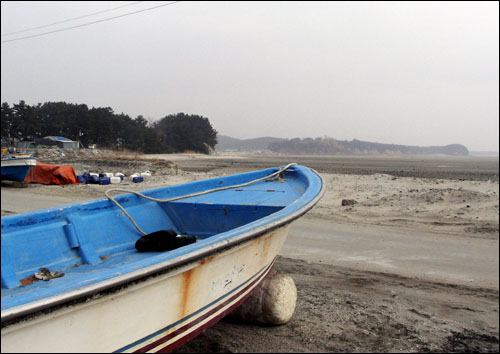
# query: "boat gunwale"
{"type": "Point", "coordinates": [22, 310]}
{"type": "Point", "coordinates": [23, 161]}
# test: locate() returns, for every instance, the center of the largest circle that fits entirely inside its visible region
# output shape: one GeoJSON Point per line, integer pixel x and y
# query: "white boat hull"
{"type": "Point", "coordinates": [155, 314]}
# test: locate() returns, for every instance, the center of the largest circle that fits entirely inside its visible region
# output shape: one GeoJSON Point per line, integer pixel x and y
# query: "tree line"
{"type": "Point", "coordinates": [101, 126]}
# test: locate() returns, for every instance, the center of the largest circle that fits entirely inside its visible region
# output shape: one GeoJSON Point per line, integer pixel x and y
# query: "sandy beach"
{"type": "Point", "coordinates": [349, 303]}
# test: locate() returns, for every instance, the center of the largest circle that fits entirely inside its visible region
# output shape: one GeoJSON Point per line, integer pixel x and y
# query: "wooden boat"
{"type": "Point", "coordinates": [15, 167]}
{"type": "Point", "coordinates": [100, 294]}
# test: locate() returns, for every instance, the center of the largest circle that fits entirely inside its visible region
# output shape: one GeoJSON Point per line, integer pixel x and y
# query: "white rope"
{"type": "Point", "coordinates": [188, 195]}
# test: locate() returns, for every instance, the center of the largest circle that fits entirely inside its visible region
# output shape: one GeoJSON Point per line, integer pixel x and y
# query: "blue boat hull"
{"type": "Point", "coordinates": [16, 169]}
{"type": "Point", "coordinates": [17, 173]}
{"type": "Point", "coordinates": [240, 223]}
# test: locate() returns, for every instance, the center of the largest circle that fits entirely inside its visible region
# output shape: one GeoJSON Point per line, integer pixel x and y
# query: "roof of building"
{"type": "Point", "coordinates": [58, 138]}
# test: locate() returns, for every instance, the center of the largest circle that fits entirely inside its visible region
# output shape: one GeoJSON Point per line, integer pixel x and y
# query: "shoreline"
{"type": "Point", "coordinates": [379, 194]}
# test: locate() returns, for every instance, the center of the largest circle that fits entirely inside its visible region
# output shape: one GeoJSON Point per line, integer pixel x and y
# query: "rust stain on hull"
{"type": "Point", "coordinates": [194, 279]}
{"type": "Point", "coordinates": [188, 278]}
{"type": "Point", "coordinates": [206, 260]}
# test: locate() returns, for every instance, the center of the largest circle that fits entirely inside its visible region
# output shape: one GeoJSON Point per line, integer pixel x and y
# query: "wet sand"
{"type": "Point", "coordinates": [350, 306]}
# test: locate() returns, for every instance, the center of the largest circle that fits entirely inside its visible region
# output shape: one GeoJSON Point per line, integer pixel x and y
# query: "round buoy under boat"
{"type": "Point", "coordinates": [272, 304]}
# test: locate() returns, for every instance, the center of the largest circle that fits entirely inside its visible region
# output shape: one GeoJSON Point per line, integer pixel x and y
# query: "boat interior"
{"type": "Point", "coordinates": [93, 241]}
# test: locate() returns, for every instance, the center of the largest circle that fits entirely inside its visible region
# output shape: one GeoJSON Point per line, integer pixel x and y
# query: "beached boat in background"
{"type": "Point", "coordinates": [101, 294]}
{"type": "Point", "coordinates": [15, 167]}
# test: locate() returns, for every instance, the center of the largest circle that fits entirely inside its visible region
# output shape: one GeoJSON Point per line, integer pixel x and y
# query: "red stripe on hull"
{"type": "Point", "coordinates": [203, 328]}
{"type": "Point", "coordinates": [210, 323]}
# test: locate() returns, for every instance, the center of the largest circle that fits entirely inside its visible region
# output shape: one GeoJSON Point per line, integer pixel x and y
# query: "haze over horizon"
{"type": "Point", "coordinates": [406, 73]}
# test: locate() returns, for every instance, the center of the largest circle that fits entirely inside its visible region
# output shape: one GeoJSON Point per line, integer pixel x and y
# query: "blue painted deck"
{"type": "Point", "coordinates": [93, 241]}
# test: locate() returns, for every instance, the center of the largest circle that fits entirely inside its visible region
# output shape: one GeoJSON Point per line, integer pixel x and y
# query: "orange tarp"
{"type": "Point", "coordinates": [51, 174]}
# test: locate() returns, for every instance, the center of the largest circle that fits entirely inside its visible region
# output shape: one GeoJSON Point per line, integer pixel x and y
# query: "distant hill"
{"type": "Point", "coordinates": [330, 146]}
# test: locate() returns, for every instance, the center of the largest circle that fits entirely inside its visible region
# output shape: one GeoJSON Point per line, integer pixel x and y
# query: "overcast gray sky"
{"type": "Point", "coordinates": [414, 73]}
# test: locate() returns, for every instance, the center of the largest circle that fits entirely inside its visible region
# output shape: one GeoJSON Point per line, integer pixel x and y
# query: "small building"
{"type": "Point", "coordinates": [59, 141]}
